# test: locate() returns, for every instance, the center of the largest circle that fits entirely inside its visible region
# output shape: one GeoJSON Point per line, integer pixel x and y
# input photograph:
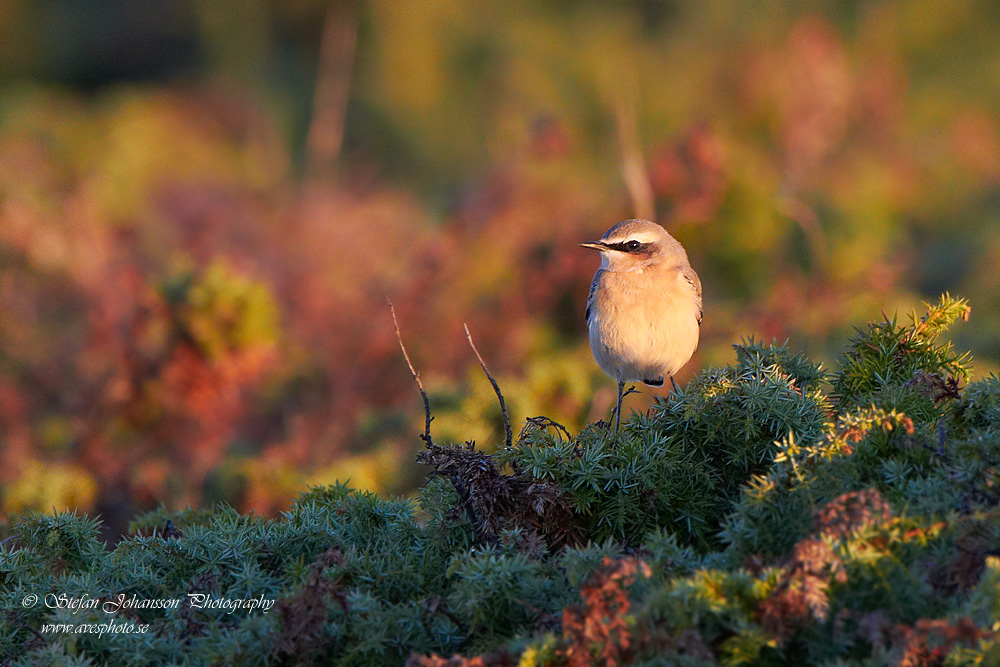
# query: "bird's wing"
{"type": "Point", "coordinates": [695, 281]}
{"type": "Point", "coordinates": [590, 297]}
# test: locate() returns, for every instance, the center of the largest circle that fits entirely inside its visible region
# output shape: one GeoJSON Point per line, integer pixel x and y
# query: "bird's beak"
{"type": "Point", "coordinates": [594, 246]}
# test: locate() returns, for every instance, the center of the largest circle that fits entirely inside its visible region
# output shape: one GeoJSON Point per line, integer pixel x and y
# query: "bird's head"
{"type": "Point", "coordinates": [633, 245]}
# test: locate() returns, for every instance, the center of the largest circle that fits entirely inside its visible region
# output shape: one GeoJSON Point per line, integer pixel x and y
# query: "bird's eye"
{"type": "Point", "coordinates": [633, 245]}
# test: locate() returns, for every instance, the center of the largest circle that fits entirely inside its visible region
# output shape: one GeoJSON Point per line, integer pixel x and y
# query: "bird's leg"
{"type": "Point", "coordinates": [673, 383]}
{"type": "Point", "coordinates": [618, 410]}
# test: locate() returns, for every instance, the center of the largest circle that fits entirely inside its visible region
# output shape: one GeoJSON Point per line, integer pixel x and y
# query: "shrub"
{"type": "Point", "coordinates": [751, 518]}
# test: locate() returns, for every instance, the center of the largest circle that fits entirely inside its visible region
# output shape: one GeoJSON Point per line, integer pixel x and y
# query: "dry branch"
{"type": "Point", "coordinates": [508, 433]}
{"type": "Point", "coordinates": [426, 437]}
{"type": "Point", "coordinates": [492, 501]}
{"type": "Point", "coordinates": [541, 422]}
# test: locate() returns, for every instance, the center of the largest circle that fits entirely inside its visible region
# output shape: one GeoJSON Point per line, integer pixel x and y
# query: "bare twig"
{"type": "Point", "coordinates": [542, 422]}
{"type": "Point", "coordinates": [508, 433]}
{"type": "Point", "coordinates": [426, 437]}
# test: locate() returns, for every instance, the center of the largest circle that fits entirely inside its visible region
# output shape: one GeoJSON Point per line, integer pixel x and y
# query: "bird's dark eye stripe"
{"type": "Point", "coordinates": [627, 246]}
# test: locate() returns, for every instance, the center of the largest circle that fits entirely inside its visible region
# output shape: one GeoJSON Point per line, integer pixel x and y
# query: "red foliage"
{"type": "Point", "coordinates": [801, 595]}
{"type": "Point", "coordinates": [928, 642]}
{"type": "Point", "coordinates": [303, 616]}
{"type": "Point", "coordinates": [597, 630]}
{"type": "Point", "coordinates": [851, 512]}
{"type": "Point", "coordinates": [498, 659]}
{"type": "Point", "coordinates": [924, 644]}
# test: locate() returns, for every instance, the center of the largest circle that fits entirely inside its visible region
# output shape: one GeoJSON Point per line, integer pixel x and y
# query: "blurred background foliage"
{"type": "Point", "coordinates": [204, 205]}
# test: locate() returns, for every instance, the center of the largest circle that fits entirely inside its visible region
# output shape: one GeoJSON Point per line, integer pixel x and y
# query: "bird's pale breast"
{"type": "Point", "coordinates": [643, 325]}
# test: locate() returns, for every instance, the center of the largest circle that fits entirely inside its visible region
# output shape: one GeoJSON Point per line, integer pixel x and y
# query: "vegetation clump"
{"type": "Point", "coordinates": [766, 514]}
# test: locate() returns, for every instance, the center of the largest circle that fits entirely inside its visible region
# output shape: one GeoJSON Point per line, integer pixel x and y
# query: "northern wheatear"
{"type": "Point", "coordinates": [644, 308]}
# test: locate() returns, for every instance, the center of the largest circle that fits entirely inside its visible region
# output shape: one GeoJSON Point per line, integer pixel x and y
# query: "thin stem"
{"type": "Point", "coordinates": [426, 437]}
{"type": "Point", "coordinates": [508, 433]}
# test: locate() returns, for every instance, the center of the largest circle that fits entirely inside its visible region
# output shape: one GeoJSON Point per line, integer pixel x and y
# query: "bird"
{"type": "Point", "coordinates": [644, 309]}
